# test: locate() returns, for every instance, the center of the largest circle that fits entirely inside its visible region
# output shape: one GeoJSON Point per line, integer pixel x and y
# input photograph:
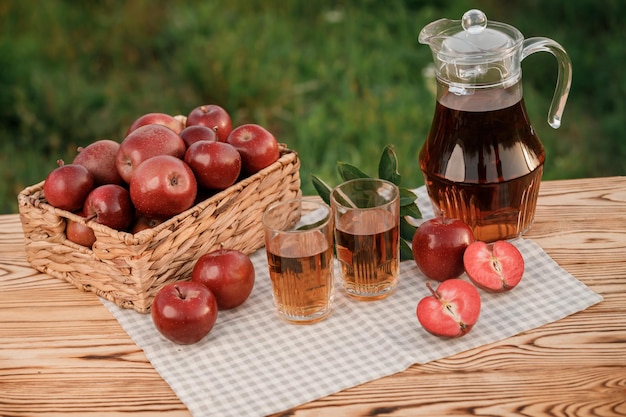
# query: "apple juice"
{"type": "Point", "coordinates": [368, 251]}
{"type": "Point", "coordinates": [301, 270]}
{"type": "Point", "coordinates": [482, 162]}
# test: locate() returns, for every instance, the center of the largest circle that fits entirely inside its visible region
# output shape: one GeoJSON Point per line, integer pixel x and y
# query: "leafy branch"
{"type": "Point", "coordinates": [387, 170]}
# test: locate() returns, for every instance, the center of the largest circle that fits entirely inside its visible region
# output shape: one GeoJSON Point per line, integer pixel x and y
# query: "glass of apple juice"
{"type": "Point", "coordinates": [367, 226]}
{"type": "Point", "coordinates": [299, 246]}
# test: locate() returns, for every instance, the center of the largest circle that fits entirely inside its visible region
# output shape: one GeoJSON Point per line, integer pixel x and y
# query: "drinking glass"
{"type": "Point", "coordinates": [367, 219]}
{"type": "Point", "coordinates": [299, 246]}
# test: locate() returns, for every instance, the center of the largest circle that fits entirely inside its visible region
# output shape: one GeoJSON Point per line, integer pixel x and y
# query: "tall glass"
{"type": "Point", "coordinates": [367, 220]}
{"type": "Point", "coordinates": [299, 246]}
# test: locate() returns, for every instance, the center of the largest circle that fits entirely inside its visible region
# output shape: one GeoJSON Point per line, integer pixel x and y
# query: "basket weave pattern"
{"type": "Point", "coordinates": [130, 269]}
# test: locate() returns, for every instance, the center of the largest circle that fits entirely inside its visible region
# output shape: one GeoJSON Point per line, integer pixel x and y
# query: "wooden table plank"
{"type": "Point", "coordinates": [61, 351]}
{"type": "Point", "coordinates": [63, 354]}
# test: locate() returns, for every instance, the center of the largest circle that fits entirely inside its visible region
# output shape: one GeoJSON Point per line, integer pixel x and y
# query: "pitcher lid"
{"type": "Point", "coordinates": [465, 49]}
{"type": "Point", "coordinates": [471, 37]}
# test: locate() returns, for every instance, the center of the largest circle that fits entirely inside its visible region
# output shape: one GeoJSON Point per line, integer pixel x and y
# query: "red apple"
{"type": "Point", "coordinates": [438, 246]}
{"type": "Point", "coordinates": [111, 206]}
{"type": "Point", "coordinates": [451, 310]}
{"type": "Point", "coordinates": [143, 223]}
{"type": "Point", "coordinates": [213, 117]}
{"type": "Point", "coordinates": [216, 165]}
{"type": "Point", "coordinates": [495, 267]}
{"type": "Point", "coordinates": [144, 143]}
{"type": "Point", "coordinates": [228, 273]}
{"type": "Point", "coordinates": [193, 134]}
{"type": "Point", "coordinates": [162, 187]}
{"type": "Point", "coordinates": [164, 119]}
{"type": "Point", "coordinates": [80, 233]}
{"type": "Point", "coordinates": [67, 186]}
{"type": "Point", "coordinates": [99, 158]}
{"type": "Point", "coordinates": [257, 146]}
{"type": "Point", "coordinates": [184, 312]}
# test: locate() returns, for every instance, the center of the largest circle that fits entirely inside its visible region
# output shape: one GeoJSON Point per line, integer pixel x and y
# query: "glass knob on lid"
{"type": "Point", "coordinates": [476, 38]}
{"type": "Point", "coordinates": [474, 21]}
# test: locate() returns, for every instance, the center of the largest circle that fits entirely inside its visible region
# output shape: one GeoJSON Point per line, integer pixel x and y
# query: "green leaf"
{"type": "Point", "coordinates": [350, 172]}
{"type": "Point", "coordinates": [411, 210]}
{"type": "Point", "coordinates": [405, 251]}
{"type": "Point", "coordinates": [407, 230]}
{"type": "Point", "coordinates": [322, 188]}
{"type": "Point", "coordinates": [407, 196]}
{"type": "Point", "coordinates": [388, 166]}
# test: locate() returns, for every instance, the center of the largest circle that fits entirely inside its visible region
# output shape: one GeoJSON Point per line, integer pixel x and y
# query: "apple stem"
{"type": "Point", "coordinates": [180, 294]}
{"type": "Point", "coordinates": [93, 216]}
{"type": "Point", "coordinates": [433, 291]}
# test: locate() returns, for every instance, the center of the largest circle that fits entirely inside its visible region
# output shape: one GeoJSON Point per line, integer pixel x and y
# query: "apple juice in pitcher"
{"type": "Point", "coordinates": [484, 164]}
{"type": "Point", "coordinates": [482, 161]}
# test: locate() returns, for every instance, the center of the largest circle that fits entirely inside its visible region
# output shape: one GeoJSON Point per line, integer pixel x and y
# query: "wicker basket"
{"type": "Point", "coordinates": [129, 269]}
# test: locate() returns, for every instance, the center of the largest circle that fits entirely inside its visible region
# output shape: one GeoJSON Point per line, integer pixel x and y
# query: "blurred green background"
{"type": "Point", "coordinates": [335, 80]}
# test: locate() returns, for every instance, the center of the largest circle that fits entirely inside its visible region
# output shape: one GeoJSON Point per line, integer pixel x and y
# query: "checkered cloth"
{"type": "Point", "coordinates": [254, 364]}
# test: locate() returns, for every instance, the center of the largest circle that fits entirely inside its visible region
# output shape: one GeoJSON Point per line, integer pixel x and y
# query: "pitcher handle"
{"type": "Point", "coordinates": [564, 79]}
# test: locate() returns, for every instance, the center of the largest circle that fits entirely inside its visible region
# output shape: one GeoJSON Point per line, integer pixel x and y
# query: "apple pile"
{"type": "Point", "coordinates": [162, 167]}
{"type": "Point", "coordinates": [443, 250]}
{"type": "Point", "coordinates": [185, 312]}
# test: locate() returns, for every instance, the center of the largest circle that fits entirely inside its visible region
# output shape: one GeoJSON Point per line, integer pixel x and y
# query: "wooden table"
{"type": "Point", "coordinates": [62, 353]}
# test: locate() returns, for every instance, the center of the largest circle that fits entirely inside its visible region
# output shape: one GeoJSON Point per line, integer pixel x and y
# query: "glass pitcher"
{"type": "Point", "coordinates": [482, 160]}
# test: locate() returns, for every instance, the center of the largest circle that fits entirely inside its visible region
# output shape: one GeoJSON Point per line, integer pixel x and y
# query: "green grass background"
{"type": "Point", "coordinates": [335, 80]}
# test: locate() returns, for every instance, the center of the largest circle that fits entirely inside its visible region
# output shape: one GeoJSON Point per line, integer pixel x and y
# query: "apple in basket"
{"type": "Point", "coordinates": [80, 233]}
{"type": "Point", "coordinates": [99, 158]}
{"type": "Point", "coordinates": [216, 165]}
{"type": "Point", "coordinates": [67, 186]}
{"type": "Point", "coordinates": [257, 146]}
{"type": "Point", "coordinates": [184, 312]}
{"type": "Point", "coordinates": [110, 205]}
{"type": "Point", "coordinates": [144, 143]}
{"type": "Point", "coordinates": [142, 223]}
{"type": "Point", "coordinates": [213, 117]}
{"type": "Point", "coordinates": [228, 273]}
{"type": "Point", "coordinates": [451, 310]}
{"type": "Point", "coordinates": [196, 133]}
{"type": "Point", "coordinates": [162, 187]}
{"type": "Point", "coordinates": [164, 119]}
